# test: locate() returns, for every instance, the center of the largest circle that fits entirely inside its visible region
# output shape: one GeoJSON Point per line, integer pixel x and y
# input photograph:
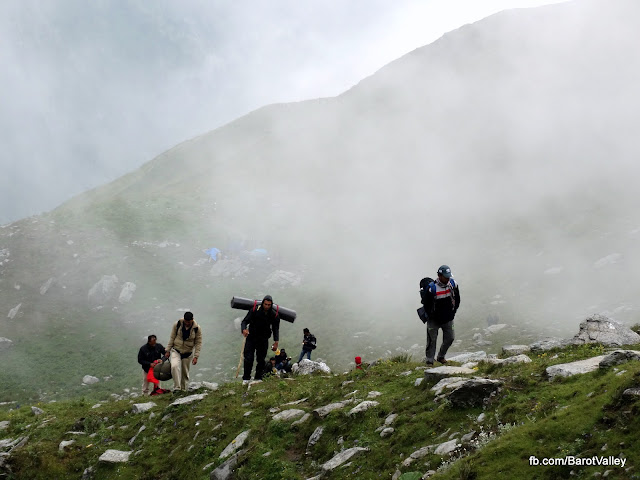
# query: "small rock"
{"type": "Point", "coordinates": [481, 418]}
{"type": "Point", "coordinates": [142, 407]}
{"type": "Point", "coordinates": [115, 456]}
{"type": "Point", "coordinates": [574, 368]}
{"type": "Point", "coordinates": [64, 444]}
{"type": "Point", "coordinates": [88, 473]}
{"type": "Point", "coordinates": [313, 439]}
{"type": "Point", "coordinates": [324, 411]}
{"type": "Point", "coordinates": [225, 471]}
{"type": "Point", "coordinates": [90, 380]}
{"type": "Point", "coordinates": [266, 454]}
{"type": "Point", "coordinates": [246, 414]}
{"type": "Point", "coordinates": [363, 406]}
{"type": "Point", "coordinates": [548, 343]}
{"type": "Point", "coordinates": [189, 399]}
{"type": "Point", "coordinates": [297, 402]}
{"type": "Point", "coordinates": [4, 424]}
{"type": "Point", "coordinates": [235, 444]}
{"type": "Point", "coordinates": [14, 311]}
{"type": "Point", "coordinates": [510, 350]}
{"type": "Point", "coordinates": [304, 418]}
{"type": "Point", "coordinates": [288, 415]}
{"type": "Point", "coordinates": [468, 437]}
{"type": "Point", "coordinates": [37, 411]}
{"type": "Point", "coordinates": [342, 457]}
{"type": "Point", "coordinates": [418, 382]}
{"type": "Point", "coordinates": [437, 373]}
{"type": "Point", "coordinates": [447, 448]}
{"type": "Point", "coordinates": [374, 394]}
{"type": "Point", "coordinates": [387, 432]}
{"type": "Point", "coordinates": [468, 357]}
{"type": "Point", "coordinates": [631, 392]}
{"type": "Point", "coordinates": [618, 357]}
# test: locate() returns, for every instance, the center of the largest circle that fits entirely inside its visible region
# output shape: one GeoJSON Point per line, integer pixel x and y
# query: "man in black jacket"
{"type": "Point", "coordinates": [441, 300]}
{"type": "Point", "coordinates": [148, 355]}
{"type": "Point", "coordinates": [257, 327]}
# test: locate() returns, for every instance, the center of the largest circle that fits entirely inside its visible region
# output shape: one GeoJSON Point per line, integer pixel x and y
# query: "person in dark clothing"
{"type": "Point", "coordinates": [282, 361]}
{"type": "Point", "coordinates": [148, 355]}
{"type": "Point", "coordinates": [441, 300]}
{"type": "Point", "coordinates": [257, 327]}
{"type": "Point", "coordinates": [308, 344]}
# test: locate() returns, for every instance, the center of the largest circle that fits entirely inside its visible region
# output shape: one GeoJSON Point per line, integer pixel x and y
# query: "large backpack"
{"type": "Point", "coordinates": [428, 304]}
{"type": "Point", "coordinates": [312, 341]}
{"type": "Point", "coordinates": [162, 371]}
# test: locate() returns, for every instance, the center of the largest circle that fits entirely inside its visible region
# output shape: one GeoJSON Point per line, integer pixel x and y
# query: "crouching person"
{"type": "Point", "coordinates": [185, 342]}
{"type": "Point", "coordinates": [148, 355]}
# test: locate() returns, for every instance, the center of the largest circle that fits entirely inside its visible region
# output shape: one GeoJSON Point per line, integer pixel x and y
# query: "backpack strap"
{"type": "Point", "coordinates": [277, 310]}
{"type": "Point", "coordinates": [255, 306]}
{"type": "Point", "coordinates": [177, 326]}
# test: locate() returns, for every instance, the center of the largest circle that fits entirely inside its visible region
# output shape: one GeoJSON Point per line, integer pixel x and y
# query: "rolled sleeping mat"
{"type": "Point", "coordinates": [162, 371]}
{"type": "Point", "coordinates": [241, 303]}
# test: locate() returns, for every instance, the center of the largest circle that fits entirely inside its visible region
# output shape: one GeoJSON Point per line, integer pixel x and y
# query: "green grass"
{"type": "Point", "coordinates": [530, 416]}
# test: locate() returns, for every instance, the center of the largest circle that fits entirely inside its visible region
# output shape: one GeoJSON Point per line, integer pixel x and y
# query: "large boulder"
{"type": "Point", "coordinates": [574, 368]}
{"type": "Point", "coordinates": [104, 290]}
{"type": "Point", "coordinates": [126, 294]}
{"type": "Point", "coordinates": [618, 357]}
{"type": "Point", "coordinates": [604, 330]}
{"type": "Point", "coordinates": [307, 367]}
{"type": "Point", "coordinates": [473, 392]}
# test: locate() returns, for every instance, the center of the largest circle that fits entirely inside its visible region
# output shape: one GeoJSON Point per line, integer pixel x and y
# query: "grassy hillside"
{"type": "Point", "coordinates": [584, 415]}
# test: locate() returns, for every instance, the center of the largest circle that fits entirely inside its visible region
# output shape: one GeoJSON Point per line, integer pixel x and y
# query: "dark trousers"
{"type": "Point", "coordinates": [255, 347]}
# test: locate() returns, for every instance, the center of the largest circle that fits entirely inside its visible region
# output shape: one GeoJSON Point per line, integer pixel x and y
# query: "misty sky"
{"type": "Point", "coordinates": [92, 90]}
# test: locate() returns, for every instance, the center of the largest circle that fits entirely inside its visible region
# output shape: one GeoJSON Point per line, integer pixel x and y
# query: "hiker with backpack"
{"type": "Point", "coordinates": [308, 344]}
{"type": "Point", "coordinates": [149, 355]}
{"type": "Point", "coordinates": [183, 349]}
{"type": "Point", "coordinates": [257, 327]}
{"type": "Point", "coordinates": [440, 300]}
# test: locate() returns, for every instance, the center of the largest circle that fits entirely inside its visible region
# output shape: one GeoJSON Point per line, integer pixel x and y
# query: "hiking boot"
{"type": "Point", "coordinates": [442, 360]}
{"type": "Point", "coordinates": [245, 383]}
{"type": "Point", "coordinates": [429, 364]}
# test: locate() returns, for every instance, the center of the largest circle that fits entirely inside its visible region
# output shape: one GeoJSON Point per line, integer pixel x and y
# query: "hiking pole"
{"type": "Point", "coordinates": [244, 340]}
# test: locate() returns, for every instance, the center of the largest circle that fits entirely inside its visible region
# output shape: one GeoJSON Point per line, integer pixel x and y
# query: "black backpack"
{"type": "Point", "coordinates": [427, 301]}
{"type": "Point", "coordinates": [312, 342]}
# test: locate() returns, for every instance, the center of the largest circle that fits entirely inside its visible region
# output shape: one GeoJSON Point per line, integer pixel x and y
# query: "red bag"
{"type": "Point", "coordinates": [152, 378]}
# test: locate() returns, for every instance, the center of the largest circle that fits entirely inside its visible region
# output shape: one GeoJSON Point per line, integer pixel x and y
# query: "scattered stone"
{"type": "Point", "coordinates": [522, 358]}
{"type": "Point", "coordinates": [390, 419]}
{"type": "Point", "coordinates": [473, 392]}
{"type": "Point", "coordinates": [288, 415]}
{"type": "Point", "coordinates": [297, 402]}
{"type": "Point", "coordinates": [468, 357]}
{"type": "Point", "coordinates": [347, 382]}
{"type": "Point", "coordinates": [548, 343]}
{"type": "Point", "coordinates": [4, 424]}
{"type": "Point", "coordinates": [97, 405]}
{"type": "Point", "coordinates": [14, 311]}
{"type": "Point", "coordinates": [363, 406]}
{"type": "Point", "coordinates": [37, 411]}
{"type": "Point", "coordinates": [324, 411]}
{"type": "Point", "coordinates": [307, 367]}
{"type": "Point", "coordinates": [90, 380]}
{"type": "Point", "coordinates": [64, 444]}
{"type": "Point", "coordinates": [618, 357]}
{"type": "Point", "coordinates": [470, 365]}
{"type": "Point", "coordinates": [351, 394]}
{"type": "Point", "coordinates": [304, 418]}
{"type": "Point", "coordinates": [574, 368]}
{"type": "Point", "coordinates": [631, 392]}
{"type": "Point", "coordinates": [418, 382]}
{"type": "Point", "coordinates": [515, 349]}
{"type": "Point", "coordinates": [235, 444]}
{"type": "Point", "coordinates": [438, 373]}
{"type": "Point", "coordinates": [374, 394]}
{"type": "Point", "coordinates": [342, 457]}
{"type": "Point", "coordinates": [449, 382]}
{"type": "Point", "coordinates": [188, 399]}
{"type": "Point", "coordinates": [481, 418]}
{"type": "Point", "coordinates": [266, 454]}
{"type": "Point", "coordinates": [104, 290]}
{"type": "Point", "coordinates": [133, 439]}
{"type": "Point", "coordinates": [386, 432]}
{"type": "Point", "coordinates": [126, 294]}
{"type": "Point", "coordinates": [447, 448]}
{"type": "Point", "coordinates": [88, 473]}
{"type": "Point", "coordinates": [142, 407]}
{"type": "Point", "coordinates": [495, 328]}
{"type": "Point", "coordinates": [225, 471]}
{"type": "Point", "coordinates": [468, 437]}
{"type": "Point", "coordinates": [604, 330]}
{"type": "Point", "coordinates": [115, 456]}
{"type": "Point", "coordinates": [313, 439]}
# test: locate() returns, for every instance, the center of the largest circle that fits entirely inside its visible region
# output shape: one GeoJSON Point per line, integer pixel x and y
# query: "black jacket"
{"type": "Point", "coordinates": [441, 308]}
{"type": "Point", "coordinates": [261, 323]}
{"type": "Point", "coordinates": [148, 354]}
{"type": "Point", "coordinates": [309, 343]}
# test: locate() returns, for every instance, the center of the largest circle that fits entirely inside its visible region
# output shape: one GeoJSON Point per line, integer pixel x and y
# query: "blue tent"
{"type": "Point", "coordinates": [213, 252]}
{"type": "Point", "coordinates": [259, 252]}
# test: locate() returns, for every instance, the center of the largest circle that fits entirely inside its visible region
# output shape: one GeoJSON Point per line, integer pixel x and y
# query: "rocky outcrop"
{"type": "Point", "coordinates": [510, 350]}
{"type": "Point", "coordinates": [126, 294]}
{"type": "Point", "coordinates": [104, 290]}
{"type": "Point", "coordinates": [438, 373]}
{"type": "Point", "coordinates": [618, 357]}
{"type": "Point", "coordinates": [235, 444]}
{"type": "Point", "coordinates": [608, 332]}
{"type": "Point", "coordinates": [574, 368]}
{"type": "Point", "coordinates": [473, 392]}
{"type": "Point", "coordinates": [307, 367]}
